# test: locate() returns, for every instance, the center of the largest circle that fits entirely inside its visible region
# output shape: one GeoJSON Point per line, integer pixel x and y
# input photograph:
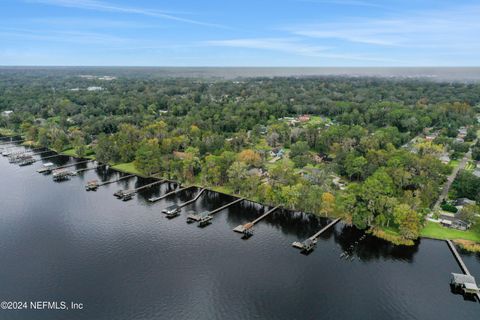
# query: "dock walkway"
{"type": "Point", "coordinates": [226, 206]}
{"type": "Point", "coordinates": [193, 200]}
{"type": "Point", "coordinates": [313, 239]}
{"type": "Point", "coordinates": [40, 152]}
{"type": "Point", "coordinates": [155, 199]}
{"type": "Point", "coordinates": [248, 226]}
{"type": "Point", "coordinates": [460, 262]}
{"type": "Point", "coordinates": [88, 169]}
{"type": "Point", "coordinates": [71, 164]}
{"type": "Point", "coordinates": [316, 235]}
{"type": "Point", "coordinates": [115, 180]}
{"type": "Point", "coordinates": [49, 157]}
{"type": "Point", "coordinates": [10, 142]}
{"type": "Point", "coordinates": [148, 185]}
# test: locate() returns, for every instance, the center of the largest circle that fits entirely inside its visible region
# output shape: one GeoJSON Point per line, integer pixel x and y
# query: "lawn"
{"type": "Point", "coordinates": [316, 120]}
{"type": "Point", "coordinates": [470, 166]}
{"type": "Point", "coordinates": [69, 152]}
{"type": "Point", "coordinates": [437, 231]}
{"type": "Point", "coordinates": [128, 168]}
{"type": "Point", "coordinates": [453, 163]}
{"type": "Point", "coordinates": [6, 132]}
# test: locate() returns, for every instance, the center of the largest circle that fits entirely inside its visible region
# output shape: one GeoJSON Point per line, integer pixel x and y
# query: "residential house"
{"type": "Point", "coordinates": [303, 118]}
{"type": "Point", "coordinates": [451, 220]}
{"type": "Point", "coordinates": [338, 183]}
{"type": "Point", "coordinates": [277, 153]}
{"type": "Point", "coordinates": [464, 201]}
{"type": "Point", "coordinates": [445, 158]}
{"type": "Point", "coordinates": [462, 132]}
{"type": "Point", "coordinates": [93, 88]}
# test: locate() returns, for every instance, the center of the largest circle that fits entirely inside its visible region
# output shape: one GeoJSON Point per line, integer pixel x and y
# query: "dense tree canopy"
{"type": "Point", "coordinates": [346, 156]}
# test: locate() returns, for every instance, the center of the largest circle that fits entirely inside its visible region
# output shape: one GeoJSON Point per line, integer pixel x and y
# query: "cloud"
{"type": "Point", "coordinates": [449, 28]}
{"type": "Point", "coordinates": [108, 7]}
{"type": "Point", "coordinates": [356, 3]}
{"type": "Point", "coordinates": [90, 23]}
{"type": "Point", "coordinates": [63, 36]}
{"type": "Point", "coordinates": [293, 46]}
{"type": "Point", "coordinates": [277, 44]}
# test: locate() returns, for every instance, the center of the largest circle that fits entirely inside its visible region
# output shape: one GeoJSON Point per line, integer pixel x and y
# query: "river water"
{"type": "Point", "coordinates": [125, 260]}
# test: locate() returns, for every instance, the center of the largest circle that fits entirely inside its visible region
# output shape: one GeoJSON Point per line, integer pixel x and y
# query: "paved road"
{"type": "Point", "coordinates": [453, 175]}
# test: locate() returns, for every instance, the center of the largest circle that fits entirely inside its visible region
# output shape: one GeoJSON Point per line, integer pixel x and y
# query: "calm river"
{"type": "Point", "coordinates": [125, 260]}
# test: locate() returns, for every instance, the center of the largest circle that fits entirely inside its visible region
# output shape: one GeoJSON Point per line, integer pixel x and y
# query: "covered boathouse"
{"type": "Point", "coordinates": [466, 283]}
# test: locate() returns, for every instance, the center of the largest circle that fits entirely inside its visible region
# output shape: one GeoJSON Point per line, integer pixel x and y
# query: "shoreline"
{"type": "Point", "coordinates": [468, 244]}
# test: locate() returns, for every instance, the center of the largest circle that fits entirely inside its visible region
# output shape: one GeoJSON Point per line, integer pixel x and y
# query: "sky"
{"type": "Point", "coordinates": [321, 33]}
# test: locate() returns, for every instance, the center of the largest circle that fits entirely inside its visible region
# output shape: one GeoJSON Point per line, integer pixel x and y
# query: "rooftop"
{"type": "Point", "coordinates": [464, 279]}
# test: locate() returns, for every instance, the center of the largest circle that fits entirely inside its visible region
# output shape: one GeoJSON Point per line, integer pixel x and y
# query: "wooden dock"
{"type": "Point", "coordinates": [34, 149]}
{"type": "Point", "coordinates": [72, 164]}
{"type": "Point", "coordinates": [193, 200]}
{"type": "Point", "coordinates": [316, 235]}
{"type": "Point", "coordinates": [115, 180]}
{"type": "Point", "coordinates": [52, 156]}
{"type": "Point", "coordinates": [226, 206]}
{"type": "Point", "coordinates": [10, 142]}
{"type": "Point", "coordinates": [311, 241]}
{"type": "Point", "coordinates": [205, 217]}
{"type": "Point", "coordinates": [155, 199]}
{"type": "Point", "coordinates": [123, 194]}
{"type": "Point", "coordinates": [88, 169]}
{"type": "Point", "coordinates": [249, 226]}
{"type": "Point", "coordinates": [460, 262]}
{"type": "Point", "coordinates": [40, 152]}
{"type": "Point", "coordinates": [148, 185]}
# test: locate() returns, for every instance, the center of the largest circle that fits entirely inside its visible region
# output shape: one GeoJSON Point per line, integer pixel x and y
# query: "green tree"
{"type": "Point", "coordinates": [148, 156]}
{"type": "Point", "coordinates": [355, 166]}
{"type": "Point", "coordinates": [237, 174]}
{"type": "Point", "coordinates": [408, 221]}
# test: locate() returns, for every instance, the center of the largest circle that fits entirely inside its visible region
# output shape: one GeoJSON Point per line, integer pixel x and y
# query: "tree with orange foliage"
{"type": "Point", "coordinates": [250, 157]}
{"type": "Point", "coordinates": [328, 203]}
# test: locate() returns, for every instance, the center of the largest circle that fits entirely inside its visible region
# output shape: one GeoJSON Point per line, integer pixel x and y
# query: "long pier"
{"type": "Point", "coordinates": [71, 164]}
{"type": "Point", "coordinates": [460, 262]}
{"type": "Point", "coordinates": [248, 227]}
{"type": "Point", "coordinates": [34, 149]}
{"type": "Point", "coordinates": [192, 200]}
{"type": "Point", "coordinates": [127, 194]}
{"type": "Point", "coordinates": [155, 199]}
{"type": "Point", "coordinates": [310, 242]}
{"type": "Point", "coordinates": [331, 224]}
{"type": "Point", "coordinates": [148, 185]}
{"type": "Point", "coordinates": [115, 180]}
{"type": "Point", "coordinates": [52, 156]}
{"type": "Point", "coordinates": [88, 169]}
{"type": "Point", "coordinates": [205, 217]}
{"type": "Point", "coordinates": [39, 153]}
{"type": "Point", "coordinates": [226, 206]}
{"type": "Point", "coordinates": [10, 142]}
